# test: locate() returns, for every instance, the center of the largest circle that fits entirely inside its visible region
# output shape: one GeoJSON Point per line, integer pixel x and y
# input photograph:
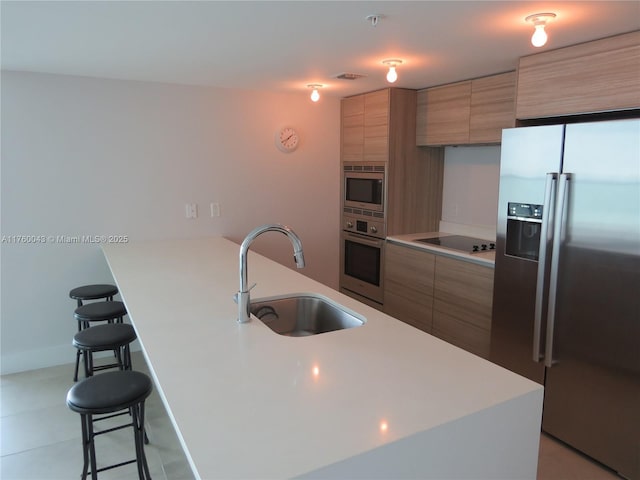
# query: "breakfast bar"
{"type": "Point", "coordinates": [381, 400]}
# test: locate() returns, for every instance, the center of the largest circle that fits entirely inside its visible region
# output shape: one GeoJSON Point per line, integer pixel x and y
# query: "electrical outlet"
{"type": "Point", "coordinates": [191, 210]}
{"type": "Point", "coordinates": [215, 209]}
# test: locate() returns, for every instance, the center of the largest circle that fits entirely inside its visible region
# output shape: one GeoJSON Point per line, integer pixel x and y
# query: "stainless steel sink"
{"type": "Point", "coordinates": [301, 315]}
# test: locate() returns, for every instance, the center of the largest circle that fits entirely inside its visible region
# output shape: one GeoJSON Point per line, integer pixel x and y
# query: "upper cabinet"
{"type": "Point", "coordinates": [492, 107]}
{"type": "Point", "coordinates": [376, 125]}
{"type": "Point", "coordinates": [352, 145]}
{"type": "Point", "coordinates": [443, 115]}
{"type": "Point", "coordinates": [598, 76]}
{"type": "Point", "coordinates": [469, 112]}
{"type": "Point", "coordinates": [365, 127]}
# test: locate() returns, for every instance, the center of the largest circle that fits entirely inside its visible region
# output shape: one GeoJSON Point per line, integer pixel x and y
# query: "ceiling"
{"type": "Point", "coordinates": [284, 45]}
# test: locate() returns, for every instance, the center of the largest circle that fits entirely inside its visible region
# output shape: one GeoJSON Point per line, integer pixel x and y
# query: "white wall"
{"type": "Point", "coordinates": [470, 189]}
{"type": "Point", "coordinates": [85, 156]}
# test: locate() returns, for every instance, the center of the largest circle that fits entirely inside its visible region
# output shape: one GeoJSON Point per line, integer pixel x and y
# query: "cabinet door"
{"type": "Point", "coordinates": [463, 294]}
{"type": "Point", "coordinates": [376, 126]}
{"type": "Point", "coordinates": [492, 107]}
{"type": "Point", "coordinates": [352, 145]}
{"type": "Point", "coordinates": [408, 285]}
{"type": "Point", "coordinates": [596, 76]}
{"type": "Point", "coordinates": [421, 118]}
{"type": "Point", "coordinates": [446, 115]}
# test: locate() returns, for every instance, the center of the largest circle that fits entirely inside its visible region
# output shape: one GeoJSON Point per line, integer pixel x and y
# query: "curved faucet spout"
{"type": "Point", "coordinates": [243, 296]}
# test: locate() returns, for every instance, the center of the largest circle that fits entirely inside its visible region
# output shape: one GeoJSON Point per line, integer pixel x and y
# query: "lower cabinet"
{"type": "Point", "coordinates": [462, 299]}
{"type": "Point", "coordinates": [408, 285]}
{"type": "Point", "coordinates": [448, 298]}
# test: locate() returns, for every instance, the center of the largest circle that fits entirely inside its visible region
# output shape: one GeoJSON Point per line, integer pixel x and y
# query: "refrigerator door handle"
{"type": "Point", "coordinates": [549, 189]}
{"type": "Point", "coordinates": [558, 235]}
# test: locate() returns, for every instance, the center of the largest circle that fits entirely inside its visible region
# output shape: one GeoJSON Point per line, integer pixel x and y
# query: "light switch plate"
{"type": "Point", "coordinates": [215, 209]}
{"type": "Point", "coordinates": [191, 210]}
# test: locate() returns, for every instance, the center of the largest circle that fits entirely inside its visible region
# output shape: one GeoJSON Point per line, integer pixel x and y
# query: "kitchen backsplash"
{"type": "Point", "coordinates": [470, 190]}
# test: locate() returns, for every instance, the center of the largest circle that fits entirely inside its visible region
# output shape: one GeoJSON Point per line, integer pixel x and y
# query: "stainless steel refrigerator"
{"type": "Point", "coordinates": [566, 306]}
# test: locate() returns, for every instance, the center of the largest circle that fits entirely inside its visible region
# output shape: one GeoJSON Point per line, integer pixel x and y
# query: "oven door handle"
{"type": "Point", "coordinates": [363, 239]}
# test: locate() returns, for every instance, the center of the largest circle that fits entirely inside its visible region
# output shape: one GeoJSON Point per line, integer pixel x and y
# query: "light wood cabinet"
{"type": "Point", "coordinates": [448, 298]}
{"type": "Point", "coordinates": [376, 125]}
{"type": "Point", "coordinates": [597, 76]}
{"type": "Point", "coordinates": [492, 107]}
{"type": "Point", "coordinates": [365, 127]}
{"type": "Point", "coordinates": [379, 128]}
{"type": "Point", "coordinates": [352, 129]}
{"type": "Point", "coordinates": [469, 112]}
{"type": "Point", "coordinates": [443, 116]}
{"type": "Point", "coordinates": [408, 285]}
{"type": "Point", "coordinates": [462, 300]}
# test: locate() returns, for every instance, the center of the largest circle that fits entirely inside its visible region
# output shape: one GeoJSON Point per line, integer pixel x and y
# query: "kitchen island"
{"type": "Point", "coordinates": [383, 400]}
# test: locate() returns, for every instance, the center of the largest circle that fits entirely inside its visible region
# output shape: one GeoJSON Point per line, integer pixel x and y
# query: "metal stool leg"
{"type": "Point", "coordinates": [85, 446]}
{"type": "Point", "coordinates": [88, 447]}
{"type": "Point", "coordinates": [137, 413]}
{"type": "Point", "coordinates": [75, 373]}
{"type": "Point", "coordinates": [92, 449]}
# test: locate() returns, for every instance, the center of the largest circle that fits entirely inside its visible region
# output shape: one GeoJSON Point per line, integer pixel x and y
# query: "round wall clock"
{"type": "Point", "coordinates": [287, 139]}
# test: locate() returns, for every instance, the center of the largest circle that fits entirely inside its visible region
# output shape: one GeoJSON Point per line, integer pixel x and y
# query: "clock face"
{"type": "Point", "coordinates": [287, 139]}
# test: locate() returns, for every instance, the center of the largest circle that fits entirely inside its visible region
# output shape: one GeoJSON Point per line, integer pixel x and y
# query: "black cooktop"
{"type": "Point", "coordinates": [460, 243]}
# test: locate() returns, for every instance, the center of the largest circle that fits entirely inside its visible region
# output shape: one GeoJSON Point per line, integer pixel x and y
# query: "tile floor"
{"type": "Point", "coordinates": [40, 437]}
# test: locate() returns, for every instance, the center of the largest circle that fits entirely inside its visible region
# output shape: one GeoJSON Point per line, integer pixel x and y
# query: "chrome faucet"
{"type": "Point", "coordinates": [242, 298]}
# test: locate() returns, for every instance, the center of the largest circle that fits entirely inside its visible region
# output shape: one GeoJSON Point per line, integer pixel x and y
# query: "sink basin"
{"type": "Point", "coordinates": [301, 315]}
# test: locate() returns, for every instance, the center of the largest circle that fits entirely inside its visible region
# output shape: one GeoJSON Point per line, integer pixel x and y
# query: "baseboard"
{"type": "Point", "coordinates": [43, 358]}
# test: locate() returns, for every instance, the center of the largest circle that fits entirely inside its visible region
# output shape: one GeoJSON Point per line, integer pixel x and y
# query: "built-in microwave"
{"type": "Point", "coordinates": [364, 187]}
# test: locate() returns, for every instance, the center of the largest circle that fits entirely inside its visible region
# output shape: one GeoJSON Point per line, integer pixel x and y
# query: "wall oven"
{"type": "Point", "coordinates": [362, 258]}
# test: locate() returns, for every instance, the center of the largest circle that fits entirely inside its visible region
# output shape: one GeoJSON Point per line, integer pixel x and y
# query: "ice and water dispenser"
{"type": "Point", "coordinates": [524, 222]}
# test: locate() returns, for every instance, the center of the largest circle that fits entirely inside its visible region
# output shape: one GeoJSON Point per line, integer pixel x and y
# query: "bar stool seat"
{"type": "Point", "coordinates": [93, 292]}
{"type": "Point", "coordinates": [111, 336]}
{"type": "Point", "coordinates": [109, 393]}
{"type": "Point", "coordinates": [100, 311]}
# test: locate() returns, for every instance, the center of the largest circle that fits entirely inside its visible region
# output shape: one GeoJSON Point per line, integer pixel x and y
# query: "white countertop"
{"type": "Point", "coordinates": [486, 258]}
{"type": "Point", "coordinates": [249, 403]}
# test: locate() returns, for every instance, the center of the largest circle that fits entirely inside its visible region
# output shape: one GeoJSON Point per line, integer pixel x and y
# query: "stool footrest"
{"type": "Point", "coordinates": [122, 464]}
{"type": "Point", "coordinates": [97, 368]}
{"type": "Point", "coordinates": [113, 429]}
{"type": "Point", "coordinates": [113, 415]}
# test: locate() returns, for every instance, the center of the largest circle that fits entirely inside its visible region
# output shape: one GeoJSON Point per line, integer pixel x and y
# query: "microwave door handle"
{"type": "Point", "coordinates": [549, 189]}
{"type": "Point", "coordinates": [558, 237]}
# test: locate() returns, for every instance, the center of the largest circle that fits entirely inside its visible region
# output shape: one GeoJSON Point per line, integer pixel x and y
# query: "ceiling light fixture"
{"type": "Point", "coordinates": [315, 95]}
{"type": "Point", "coordinates": [392, 63]}
{"type": "Point", "coordinates": [539, 21]}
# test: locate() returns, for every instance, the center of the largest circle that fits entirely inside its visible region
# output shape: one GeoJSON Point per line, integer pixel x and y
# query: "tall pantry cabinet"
{"type": "Point", "coordinates": [378, 128]}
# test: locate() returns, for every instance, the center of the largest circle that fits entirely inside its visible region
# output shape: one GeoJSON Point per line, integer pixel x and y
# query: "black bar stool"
{"type": "Point", "coordinates": [111, 312]}
{"type": "Point", "coordinates": [106, 394]}
{"type": "Point", "coordinates": [85, 293]}
{"type": "Point", "coordinates": [93, 292]}
{"type": "Point", "coordinates": [99, 312]}
{"type": "Point", "coordinates": [111, 336]}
